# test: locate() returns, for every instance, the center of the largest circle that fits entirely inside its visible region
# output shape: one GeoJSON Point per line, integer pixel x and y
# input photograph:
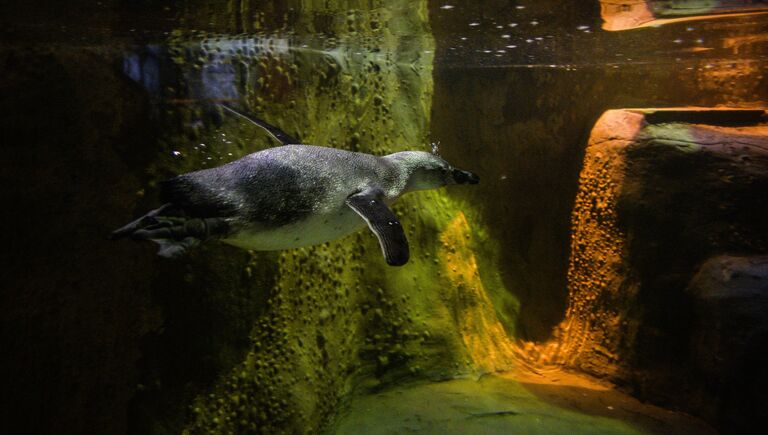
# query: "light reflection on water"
{"type": "Point", "coordinates": [543, 35]}
{"type": "Point", "coordinates": [206, 64]}
{"type": "Point", "coordinates": [468, 34]}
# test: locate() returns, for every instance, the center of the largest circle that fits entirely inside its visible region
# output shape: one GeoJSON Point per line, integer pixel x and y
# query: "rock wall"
{"type": "Point", "coordinates": [660, 193]}
{"type": "Point", "coordinates": [631, 14]}
{"type": "Point", "coordinates": [730, 302]}
{"type": "Point", "coordinates": [333, 319]}
{"type": "Point", "coordinates": [104, 336]}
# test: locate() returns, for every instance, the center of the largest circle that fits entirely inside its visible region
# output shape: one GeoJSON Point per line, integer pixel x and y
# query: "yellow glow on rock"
{"type": "Point", "coordinates": [483, 334]}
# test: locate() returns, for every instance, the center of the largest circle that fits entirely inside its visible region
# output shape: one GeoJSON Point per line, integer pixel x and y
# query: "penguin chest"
{"type": "Point", "coordinates": [314, 229]}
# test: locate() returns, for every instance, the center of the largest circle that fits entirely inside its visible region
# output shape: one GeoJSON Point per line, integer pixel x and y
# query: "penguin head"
{"type": "Point", "coordinates": [430, 171]}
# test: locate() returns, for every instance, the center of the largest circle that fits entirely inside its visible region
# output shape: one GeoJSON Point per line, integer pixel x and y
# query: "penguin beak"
{"type": "Point", "coordinates": [465, 177]}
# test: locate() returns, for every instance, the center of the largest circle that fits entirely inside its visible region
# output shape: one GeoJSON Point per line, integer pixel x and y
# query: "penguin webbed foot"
{"type": "Point", "coordinates": [161, 228]}
{"type": "Point", "coordinates": [168, 227]}
{"type": "Point", "coordinates": [175, 248]}
{"type": "Point", "coordinates": [148, 219]}
{"type": "Point", "coordinates": [176, 228]}
{"type": "Point", "coordinates": [177, 235]}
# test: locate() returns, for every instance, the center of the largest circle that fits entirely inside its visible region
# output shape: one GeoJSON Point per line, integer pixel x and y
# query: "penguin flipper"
{"type": "Point", "coordinates": [384, 224]}
{"type": "Point", "coordinates": [273, 131]}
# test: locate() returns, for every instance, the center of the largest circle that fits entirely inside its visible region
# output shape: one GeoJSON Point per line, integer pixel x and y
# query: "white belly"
{"type": "Point", "coordinates": [313, 230]}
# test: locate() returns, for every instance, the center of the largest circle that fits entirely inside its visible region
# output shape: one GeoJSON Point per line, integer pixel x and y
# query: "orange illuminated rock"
{"type": "Point", "coordinates": [660, 192]}
{"type": "Point", "coordinates": [631, 14]}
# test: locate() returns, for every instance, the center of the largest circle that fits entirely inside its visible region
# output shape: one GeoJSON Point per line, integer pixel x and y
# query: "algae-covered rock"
{"type": "Point", "coordinates": [335, 318]}
{"type": "Point", "coordinates": [226, 339]}
{"type": "Point", "coordinates": [103, 100]}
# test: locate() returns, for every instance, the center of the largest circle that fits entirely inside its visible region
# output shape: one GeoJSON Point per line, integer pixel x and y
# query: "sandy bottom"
{"type": "Point", "coordinates": [523, 403]}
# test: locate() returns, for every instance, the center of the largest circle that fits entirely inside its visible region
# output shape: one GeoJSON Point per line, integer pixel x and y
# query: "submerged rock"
{"type": "Point", "coordinates": [661, 191]}
{"type": "Point", "coordinates": [631, 14]}
{"type": "Point", "coordinates": [731, 334]}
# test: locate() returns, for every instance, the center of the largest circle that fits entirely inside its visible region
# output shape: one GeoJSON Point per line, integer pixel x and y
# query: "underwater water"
{"type": "Point", "coordinates": [607, 274]}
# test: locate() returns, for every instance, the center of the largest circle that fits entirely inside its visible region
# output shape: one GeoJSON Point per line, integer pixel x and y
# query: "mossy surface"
{"type": "Point", "coordinates": [102, 100]}
{"type": "Point", "coordinates": [334, 319]}
{"type": "Point", "coordinates": [491, 405]}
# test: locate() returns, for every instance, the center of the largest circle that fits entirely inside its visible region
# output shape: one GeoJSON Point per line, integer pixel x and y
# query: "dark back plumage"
{"type": "Point", "coordinates": [273, 187]}
{"type": "Point", "coordinates": [187, 193]}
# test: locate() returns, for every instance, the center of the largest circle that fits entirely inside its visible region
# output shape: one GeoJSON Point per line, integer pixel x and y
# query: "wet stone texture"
{"type": "Point", "coordinates": [731, 330]}
{"type": "Point", "coordinates": [224, 339]}
{"type": "Point", "coordinates": [631, 14]}
{"type": "Point", "coordinates": [662, 192]}
{"type": "Point", "coordinates": [334, 319]}
{"type": "Point", "coordinates": [104, 337]}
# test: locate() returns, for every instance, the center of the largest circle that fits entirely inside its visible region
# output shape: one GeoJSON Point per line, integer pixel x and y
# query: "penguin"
{"type": "Point", "coordinates": [291, 196]}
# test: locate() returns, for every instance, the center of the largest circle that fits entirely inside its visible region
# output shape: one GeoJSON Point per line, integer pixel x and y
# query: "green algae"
{"type": "Point", "coordinates": [338, 321]}
{"type": "Point", "coordinates": [491, 405]}
{"type": "Point", "coordinates": [324, 322]}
